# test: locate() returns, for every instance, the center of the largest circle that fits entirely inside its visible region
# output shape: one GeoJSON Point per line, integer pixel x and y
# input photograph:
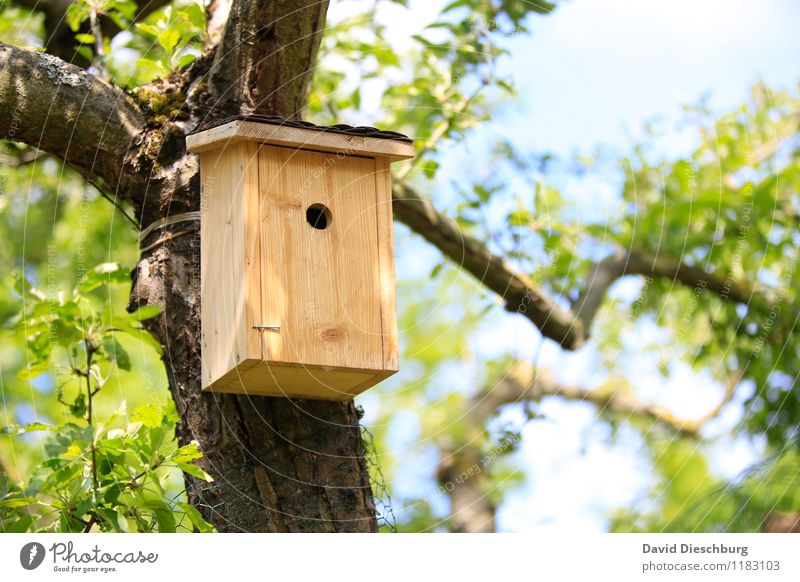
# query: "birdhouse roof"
{"type": "Point", "coordinates": [268, 129]}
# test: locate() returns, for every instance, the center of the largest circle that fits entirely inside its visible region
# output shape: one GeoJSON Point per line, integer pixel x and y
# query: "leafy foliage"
{"type": "Point", "coordinates": [693, 500]}
{"type": "Point", "coordinates": [112, 474]}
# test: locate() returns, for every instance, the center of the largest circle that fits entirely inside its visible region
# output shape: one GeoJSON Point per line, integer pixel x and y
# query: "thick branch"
{"type": "Point", "coordinates": [568, 327]}
{"type": "Point", "coordinates": [641, 263]}
{"type": "Point", "coordinates": [265, 60]}
{"type": "Point", "coordinates": [520, 293]}
{"type": "Point", "coordinates": [61, 109]}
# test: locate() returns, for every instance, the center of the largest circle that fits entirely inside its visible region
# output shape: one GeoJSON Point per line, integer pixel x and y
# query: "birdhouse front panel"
{"type": "Point", "coordinates": [297, 267]}
{"type": "Point", "coordinates": [323, 290]}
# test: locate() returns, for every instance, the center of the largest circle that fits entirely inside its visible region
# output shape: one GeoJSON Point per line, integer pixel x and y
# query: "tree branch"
{"type": "Point", "coordinates": [61, 109]}
{"type": "Point", "coordinates": [265, 59]}
{"type": "Point", "coordinates": [568, 327]}
{"type": "Point", "coordinates": [520, 293]}
{"type": "Point", "coordinates": [635, 262]}
{"type": "Point", "coordinates": [525, 383]}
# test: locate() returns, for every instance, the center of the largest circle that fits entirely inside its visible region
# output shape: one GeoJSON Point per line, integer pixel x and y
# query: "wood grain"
{"type": "Point", "coordinates": [282, 379]}
{"type": "Point", "coordinates": [289, 309]}
{"type": "Point", "coordinates": [222, 256]}
{"type": "Point", "coordinates": [385, 225]}
{"type": "Point", "coordinates": [320, 286]}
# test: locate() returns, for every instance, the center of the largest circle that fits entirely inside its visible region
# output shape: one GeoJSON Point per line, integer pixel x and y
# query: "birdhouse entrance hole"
{"type": "Point", "coordinates": [318, 216]}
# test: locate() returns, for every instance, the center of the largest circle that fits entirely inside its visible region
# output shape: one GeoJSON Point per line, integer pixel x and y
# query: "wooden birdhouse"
{"type": "Point", "coordinates": [297, 263]}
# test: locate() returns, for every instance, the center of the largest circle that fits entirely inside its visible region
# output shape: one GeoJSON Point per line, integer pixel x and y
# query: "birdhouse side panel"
{"type": "Point", "coordinates": [230, 296]}
{"type": "Point", "coordinates": [383, 190]}
{"type": "Point", "coordinates": [320, 263]}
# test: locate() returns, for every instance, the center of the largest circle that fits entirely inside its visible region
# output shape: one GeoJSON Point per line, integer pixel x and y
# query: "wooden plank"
{"type": "Point", "coordinates": [383, 190]}
{"type": "Point", "coordinates": [280, 379]}
{"type": "Point", "coordinates": [321, 287]}
{"type": "Point", "coordinates": [252, 264]}
{"type": "Point", "coordinates": [222, 263]}
{"type": "Point", "coordinates": [294, 137]}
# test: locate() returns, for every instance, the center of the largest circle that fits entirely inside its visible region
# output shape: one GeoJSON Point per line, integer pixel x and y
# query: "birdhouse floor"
{"type": "Point", "coordinates": [261, 378]}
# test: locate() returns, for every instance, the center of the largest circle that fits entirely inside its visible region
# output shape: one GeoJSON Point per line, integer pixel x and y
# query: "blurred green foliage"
{"type": "Point", "coordinates": [730, 206]}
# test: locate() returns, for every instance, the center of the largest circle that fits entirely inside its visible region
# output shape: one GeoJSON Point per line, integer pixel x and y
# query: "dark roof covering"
{"type": "Point", "coordinates": [363, 131]}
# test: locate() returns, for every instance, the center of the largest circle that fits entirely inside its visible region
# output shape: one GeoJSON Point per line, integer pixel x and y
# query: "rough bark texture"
{"type": "Point", "coordinates": [64, 110]}
{"type": "Point", "coordinates": [278, 465]}
{"type": "Point", "coordinates": [267, 56]}
{"type": "Point", "coordinates": [462, 475]}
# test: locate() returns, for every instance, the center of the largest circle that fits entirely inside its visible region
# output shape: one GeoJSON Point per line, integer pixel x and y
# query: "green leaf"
{"type": "Point", "coordinates": [168, 39]}
{"type": "Point", "coordinates": [116, 353]}
{"type": "Point", "coordinates": [34, 370]}
{"type": "Point", "coordinates": [146, 312]}
{"type": "Point", "coordinates": [165, 517]}
{"type": "Point", "coordinates": [21, 525]}
{"type": "Point", "coordinates": [186, 60]}
{"type": "Point", "coordinates": [520, 217]}
{"type": "Point", "coordinates": [430, 168]}
{"type": "Point", "coordinates": [25, 289]}
{"type": "Point", "coordinates": [103, 274]}
{"type": "Point", "coordinates": [195, 471]}
{"type": "Point", "coordinates": [148, 29]}
{"type": "Point", "coordinates": [114, 519]}
{"type": "Point", "coordinates": [124, 326]}
{"type": "Point", "coordinates": [16, 429]}
{"type": "Point", "coordinates": [455, 4]}
{"type": "Point", "coordinates": [194, 15]}
{"type": "Point", "coordinates": [188, 452]}
{"type": "Point", "coordinates": [196, 518]}
{"type": "Point", "coordinates": [76, 13]}
{"type": "Point", "coordinates": [149, 415]}
{"type": "Point", "coordinates": [18, 502]}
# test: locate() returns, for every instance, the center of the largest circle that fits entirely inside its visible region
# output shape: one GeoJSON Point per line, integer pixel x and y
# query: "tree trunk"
{"type": "Point", "coordinates": [279, 465]}
{"type": "Point", "coordinates": [462, 477]}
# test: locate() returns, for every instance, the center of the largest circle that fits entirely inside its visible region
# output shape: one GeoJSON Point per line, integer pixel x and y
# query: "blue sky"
{"type": "Point", "coordinates": [592, 74]}
{"type": "Point", "coordinates": [595, 67]}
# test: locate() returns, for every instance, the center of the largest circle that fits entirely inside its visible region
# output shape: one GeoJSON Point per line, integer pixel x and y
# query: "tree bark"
{"type": "Point", "coordinates": [279, 465]}
{"type": "Point", "coordinates": [462, 475]}
{"type": "Point", "coordinates": [62, 109]}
